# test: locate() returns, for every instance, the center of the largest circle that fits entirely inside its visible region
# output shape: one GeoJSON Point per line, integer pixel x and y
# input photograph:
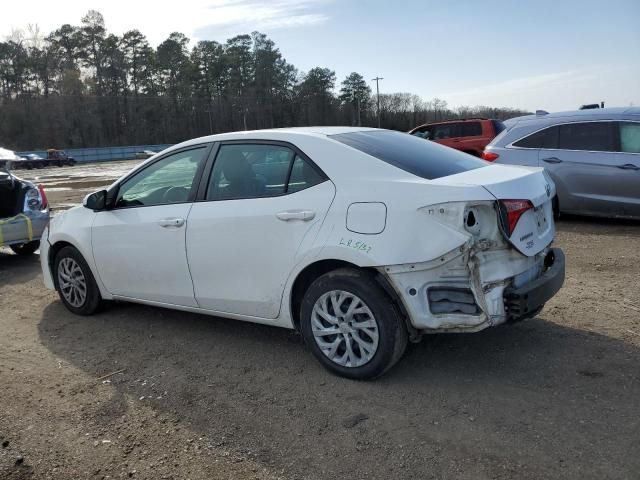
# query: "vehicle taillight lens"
{"type": "Point", "coordinates": [512, 210]}
{"type": "Point", "coordinates": [43, 197]}
{"type": "Point", "coordinates": [490, 156]}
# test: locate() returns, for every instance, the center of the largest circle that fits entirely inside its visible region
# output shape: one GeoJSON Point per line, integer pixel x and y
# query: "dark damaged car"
{"type": "Point", "coordinates": [24, 210]}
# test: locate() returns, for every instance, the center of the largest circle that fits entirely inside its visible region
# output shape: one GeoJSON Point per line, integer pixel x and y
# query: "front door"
{"type": "Point", "coordinates": [264, 204]}
{"type": "Point", "coordinates": [139, 245]}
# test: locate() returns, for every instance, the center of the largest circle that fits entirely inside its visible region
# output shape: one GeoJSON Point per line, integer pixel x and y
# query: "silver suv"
{"type": "Point", "coordinates": [593, 156]}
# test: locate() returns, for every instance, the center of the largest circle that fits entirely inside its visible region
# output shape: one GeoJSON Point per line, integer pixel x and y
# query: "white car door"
{"type": "Point", "coordinates": [139, 244]}
{"type": "Point", "coordinates": [264, 205]}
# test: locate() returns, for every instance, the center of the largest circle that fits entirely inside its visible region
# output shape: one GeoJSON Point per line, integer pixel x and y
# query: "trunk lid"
{"type": "Point", "coordinates": [535, 229]}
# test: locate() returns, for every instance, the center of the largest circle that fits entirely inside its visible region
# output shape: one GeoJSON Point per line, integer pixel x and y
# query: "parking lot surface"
{"type": "Point", "coordinates": [201, 397]}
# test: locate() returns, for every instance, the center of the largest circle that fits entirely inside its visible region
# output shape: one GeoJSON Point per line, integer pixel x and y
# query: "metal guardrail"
{"type": "Point", "coordinates": [103, 154]}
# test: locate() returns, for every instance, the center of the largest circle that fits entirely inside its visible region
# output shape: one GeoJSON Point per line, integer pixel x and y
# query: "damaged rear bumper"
{"type": "Point", "coordinates": [468, 290]}
{"type": "Point", "coordinates": [526, 301]}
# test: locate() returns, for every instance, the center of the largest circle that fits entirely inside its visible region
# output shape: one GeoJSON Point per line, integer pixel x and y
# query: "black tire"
{"type": "Point", "coordinates": [26, 248]}
{"type": "Point", "coordinates": [93, 300]}
{"type": "Point", "coordinates": [392, 331]}
{"type": "Point", "coordinates": [555, 204]}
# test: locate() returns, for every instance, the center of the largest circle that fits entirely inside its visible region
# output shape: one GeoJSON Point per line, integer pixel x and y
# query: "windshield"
{"type": "Point", "coordinates": [410, 153]}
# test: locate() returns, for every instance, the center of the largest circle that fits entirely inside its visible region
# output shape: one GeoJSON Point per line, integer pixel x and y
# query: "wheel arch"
{"type": "Point", "coordinates": [62, 243]}
{"type": "Point", "coordinates": [311, 272]}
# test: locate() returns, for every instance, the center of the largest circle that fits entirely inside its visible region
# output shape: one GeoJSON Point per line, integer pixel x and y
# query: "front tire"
{"type": "Point", "coordinates": [351, 325]}
{"type": "Point", "coordinates": [75, 283]}
{"type": "Point", "coordinates": [26, 248]}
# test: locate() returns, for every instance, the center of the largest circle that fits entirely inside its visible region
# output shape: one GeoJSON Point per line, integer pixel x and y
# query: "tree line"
{"type": "Point", "coordinates": [81, 86]}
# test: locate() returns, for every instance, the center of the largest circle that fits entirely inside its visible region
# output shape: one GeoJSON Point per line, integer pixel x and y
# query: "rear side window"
{"type": "Point", "coordinates": [259, 170]}
{"type": "Point", "coordinates": [445, 130]}
{"type": "Point", "coordinates": [591, 136]}
{"type": "Point", "coordinates": [411, 154]}
{"type": "Point", "coordinates": [547, 138]}
{"type": "Point", "coordinates": [630, 137]}
{"type": "Point", "coordinates": [470, 129]}
{"type": "Point", "coordinates": [303, 175]}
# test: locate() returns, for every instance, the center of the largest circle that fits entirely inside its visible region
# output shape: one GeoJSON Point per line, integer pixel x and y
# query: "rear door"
{"type": "Point", "coordinates": [628, 164]}
{"type": "Point", "coordinates": [472, 139]}
{"type": "Point", "coordinates": [261, 205]}
{"type": "Point", "coordinates": [446, 134]}
{"type": "Point", "coordinates": [583, 162]}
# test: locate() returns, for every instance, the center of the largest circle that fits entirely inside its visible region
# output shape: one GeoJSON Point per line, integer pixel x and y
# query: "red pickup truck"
{"type": "Point", "coordinates": [469, 135]}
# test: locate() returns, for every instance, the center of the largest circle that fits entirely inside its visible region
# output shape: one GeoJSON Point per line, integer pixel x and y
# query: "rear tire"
{"type": "Point", "coordinates": [351, 325]}
{"type": "Point", "coordinates": [25, 249]}
{"type": "Point", "coordinates": [74, 282]}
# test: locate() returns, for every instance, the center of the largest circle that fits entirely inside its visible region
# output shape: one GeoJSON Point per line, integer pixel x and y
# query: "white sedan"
{"type": "Point", "coordinates": [361, 239]}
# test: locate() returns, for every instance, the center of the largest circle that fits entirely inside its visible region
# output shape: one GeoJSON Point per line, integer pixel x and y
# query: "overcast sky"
{"type": "Point", "coordinates": [554, 55]}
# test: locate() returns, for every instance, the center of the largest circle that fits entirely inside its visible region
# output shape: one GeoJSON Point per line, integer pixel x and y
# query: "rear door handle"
{"type": "Point", "coordinates": [304, 215]}
{"type": "Point", "coordinates": [171, 222]}
{"type": "Point", "coordinates": [552, 160]}
{"type": "Point", "coordinates": [629, 166]}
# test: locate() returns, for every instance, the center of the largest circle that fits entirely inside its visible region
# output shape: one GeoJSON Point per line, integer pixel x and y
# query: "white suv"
{"type": "Point", "coordinates": [360, 238]}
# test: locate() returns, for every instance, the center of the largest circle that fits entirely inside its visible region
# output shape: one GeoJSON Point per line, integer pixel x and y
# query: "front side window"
{"type": "Point", "coordinates": [630, 137]}
{"type": "Point", "coordinates": [590, 136]}
{"type": "Point", "coordinates": [259, 170]}
{"type": "Point", "coordinates": [169, 180]}
{"type": "Point", "coordinates": [424, 132]}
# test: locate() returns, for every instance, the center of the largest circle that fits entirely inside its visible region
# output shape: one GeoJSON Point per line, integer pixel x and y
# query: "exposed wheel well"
{"type": "Point", "coordinates": [53, 251]}
{"type": "Point", "coordinates": [307, 276]}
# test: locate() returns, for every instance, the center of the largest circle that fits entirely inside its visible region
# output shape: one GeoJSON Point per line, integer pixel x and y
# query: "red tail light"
{"type": "Point", "coordinates": [490, 156]}
{"type": "Point", "coordinates": [43, 196]}
{"type": "Point", "coordinates": [511, 211]}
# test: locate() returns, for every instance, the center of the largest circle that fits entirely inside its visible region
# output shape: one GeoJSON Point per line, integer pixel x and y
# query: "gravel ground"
{"type": "Point", "coordinates": [200, 397]}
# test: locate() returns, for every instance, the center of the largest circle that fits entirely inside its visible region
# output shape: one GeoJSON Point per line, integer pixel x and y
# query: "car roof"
{"type": "Point", "coordinates": [457, 120]}
{"type": "Point", "coordinates": [581, 114]}
{"type": "Point", "coordinates": [274, 134]}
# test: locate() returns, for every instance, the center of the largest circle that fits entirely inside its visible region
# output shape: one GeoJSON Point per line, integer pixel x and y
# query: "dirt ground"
{"type": "Point", "coordinates": [206, 398]}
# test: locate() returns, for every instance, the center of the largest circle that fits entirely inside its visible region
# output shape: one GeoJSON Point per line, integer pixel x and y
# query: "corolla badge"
{"type": "Point", "coordinates": [547, 187]}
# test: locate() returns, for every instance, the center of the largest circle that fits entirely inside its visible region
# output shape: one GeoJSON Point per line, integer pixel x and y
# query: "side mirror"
{"type": "Point", "coordinates": [96, 201]}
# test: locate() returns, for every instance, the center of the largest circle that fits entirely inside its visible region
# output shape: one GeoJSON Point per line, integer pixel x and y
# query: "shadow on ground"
{"type": "Point", "coordinates": [534, 400]}
{"type": "Point", "coordinates": [17, 269]}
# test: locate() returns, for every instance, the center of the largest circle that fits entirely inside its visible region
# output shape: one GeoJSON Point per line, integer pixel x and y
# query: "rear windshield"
{"type": "Point", "coordinates": [412, 154]}
{"type": "Point", "coordinates": [498, 126]}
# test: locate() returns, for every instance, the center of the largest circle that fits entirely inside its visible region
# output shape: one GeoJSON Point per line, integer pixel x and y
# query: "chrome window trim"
{"type": "Point", "coordinates": [513, 147]}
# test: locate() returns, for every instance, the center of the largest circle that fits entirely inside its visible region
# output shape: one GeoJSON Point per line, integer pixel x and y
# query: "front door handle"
{"type": "Point", "coordinates": [629, 166]}
{"type": "Point", "coordinates": [304, 215]}
{"type": "Point", "coordinates": [171, 222]}
{"type": "Point", "coordinates": [552, 160]}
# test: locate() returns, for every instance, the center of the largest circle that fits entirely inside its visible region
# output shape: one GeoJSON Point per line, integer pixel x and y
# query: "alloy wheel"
{"type": "Point", "coordinates": [72, 282]}
{"type": "Point", "coordinates": [344, 328]}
